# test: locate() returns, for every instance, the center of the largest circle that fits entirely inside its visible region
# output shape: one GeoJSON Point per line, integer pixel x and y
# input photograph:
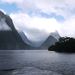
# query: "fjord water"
{"type": "Point", "coordinates": [36, 62]}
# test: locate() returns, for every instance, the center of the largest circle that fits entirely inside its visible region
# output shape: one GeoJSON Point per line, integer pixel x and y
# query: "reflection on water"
{"type": "Point", "coordinates": [36, 62]}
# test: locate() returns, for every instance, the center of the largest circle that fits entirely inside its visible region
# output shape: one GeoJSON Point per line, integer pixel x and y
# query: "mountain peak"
{"type": "Point", "coordinates": [55, 35]}
{"type": "Point", "coordinates": [1, 13]}
{"type": "Point", "coordinates": [6, 22]}
{"type": "Point", "coordinates": [9, 37]}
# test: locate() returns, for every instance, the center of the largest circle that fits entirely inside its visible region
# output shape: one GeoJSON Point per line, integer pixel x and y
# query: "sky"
{"type": "Point", "coordinates": [38, 18]}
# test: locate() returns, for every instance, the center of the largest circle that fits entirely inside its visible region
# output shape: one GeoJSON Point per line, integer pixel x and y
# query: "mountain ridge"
{"type": "Point", "coordinates": [11, 39]}
{"type": "Point", "coordinates": [16, 41]}
{"type": "Point", "coordinates": [49, 41]}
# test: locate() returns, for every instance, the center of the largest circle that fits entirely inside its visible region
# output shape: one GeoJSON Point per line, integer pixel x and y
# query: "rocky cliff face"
{"type": "Point", "coordinates": [9, 37]}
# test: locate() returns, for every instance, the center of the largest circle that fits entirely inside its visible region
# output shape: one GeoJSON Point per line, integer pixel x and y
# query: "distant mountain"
{"type": "Point", "coordinates": [9, 37]}
{"type": "Point", "coordinates": [29, 42]}
{"type": "Point", "coordinates": [48, 42]}
{"type": "Point", "coordinates": [45, 44]}
{"type": "Point", "coordinates": [52, 39]}
{"type": "Point", "coordinates": [55, 35]}
{"type": "Point", "coordinates": [24, 38]}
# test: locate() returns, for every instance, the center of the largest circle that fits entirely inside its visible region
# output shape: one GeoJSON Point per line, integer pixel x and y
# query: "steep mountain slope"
{"type": "Point", "coordinates": [24, 38]}
{"type": "Point", "coordinates": [48, 42]}
{"type": "Point", "coordinates": [44, 44]}
{"type": "Point", "coordinates": [29, 42]}
{"type": "Point", "coordinates": [55, 35]}
{"type": "Point", "coordinates": [9, 37]}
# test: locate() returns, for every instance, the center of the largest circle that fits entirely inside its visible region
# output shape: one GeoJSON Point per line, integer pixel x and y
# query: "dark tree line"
{"type": "Point", "coordinates": [65, 44]}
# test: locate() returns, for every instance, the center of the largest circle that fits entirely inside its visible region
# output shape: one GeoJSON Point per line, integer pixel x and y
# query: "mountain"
{"type": "Point", "coordinates": [51, 39]}
{"type": "Point", "coordinates": [45, 44]}
{"type": "Point", "coordinates": [55, 35]}
{"type": "Point", "coordinates": [9, 37]}
{"type": "Point", "coordinates": [25, 39]}
{"type": "Point", "coordinates": [29, 42]}
{"type": "Point", "coordinates": [48, 42]}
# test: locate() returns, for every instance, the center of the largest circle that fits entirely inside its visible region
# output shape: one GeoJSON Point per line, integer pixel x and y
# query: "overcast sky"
{"type": "Point", "coordinates": [43, 15]}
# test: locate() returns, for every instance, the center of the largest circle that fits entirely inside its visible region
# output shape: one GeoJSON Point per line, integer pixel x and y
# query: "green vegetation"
{"type": "Point", "coordinates": [65, 44]}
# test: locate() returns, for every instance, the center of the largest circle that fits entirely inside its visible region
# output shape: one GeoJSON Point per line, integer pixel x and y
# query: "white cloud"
{"type": "Point", "coordinates": [12, 1]}
{"type": "Point", "coordinates": [22, 20]}
{"type": "Point", "coordinates": [59, 7]}
{"type": "Point", "coordinates": [35, 27]}
{"type": "Point", "coordinates": [65, 8]}
{"type": "Point", "coordinates": [68, 27]}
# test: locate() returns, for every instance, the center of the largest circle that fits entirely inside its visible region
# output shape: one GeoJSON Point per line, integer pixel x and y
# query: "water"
{"type": "Point", "coordinates": [36, 62]}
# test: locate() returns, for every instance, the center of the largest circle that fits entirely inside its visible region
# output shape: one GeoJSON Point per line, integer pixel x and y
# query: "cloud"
{"type": "Point", "coordinates": [33, 34]}
{"type": "Point", "coordinates": [37, 14]}
{"type": "Point", "coordinates": [60, 7]}
{"type": "Point", "coordinates": [68, 27]}
{"type": "Point", "coordinates": [28, 23]}
{"type": "Point", "coordinates": [22, 21]}
{"type": "Point", "coordinates": [35, 27]}
{"type": "Point", "coordinates": [3, 25]}
{"type": "Point", "coordinates": [12, 1]}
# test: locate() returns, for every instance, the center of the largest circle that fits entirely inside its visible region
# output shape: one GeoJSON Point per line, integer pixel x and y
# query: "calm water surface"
{"type": "Point", "coordinates": [36, 62]}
